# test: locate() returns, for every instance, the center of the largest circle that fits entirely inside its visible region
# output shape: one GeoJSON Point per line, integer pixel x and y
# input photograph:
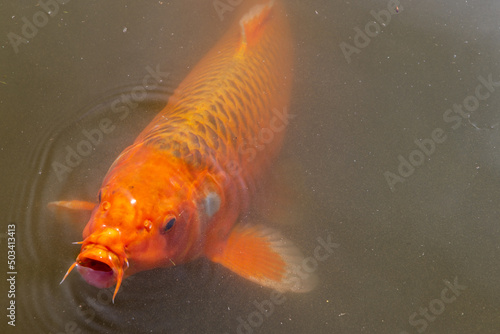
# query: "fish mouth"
{"type": "Point", "coordinates": [97, 266]}
{"type": "Point", "coordinates": [100, 267]}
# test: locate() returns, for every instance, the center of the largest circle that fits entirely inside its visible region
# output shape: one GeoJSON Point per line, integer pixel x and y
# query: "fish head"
{"type": "Point", "coordinates": [141, 222]}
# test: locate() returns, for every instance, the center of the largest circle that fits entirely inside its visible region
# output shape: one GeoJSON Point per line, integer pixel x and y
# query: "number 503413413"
{"type": "Point", "coordinates": [11, 245]}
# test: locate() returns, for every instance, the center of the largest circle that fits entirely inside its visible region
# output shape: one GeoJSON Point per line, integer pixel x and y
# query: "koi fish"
{"type": "Point", "coordinates": [180, 191]}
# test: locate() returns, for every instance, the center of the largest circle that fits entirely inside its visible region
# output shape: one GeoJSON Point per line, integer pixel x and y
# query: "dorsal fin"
{"type": "Point", "coordinates": [253, 22]}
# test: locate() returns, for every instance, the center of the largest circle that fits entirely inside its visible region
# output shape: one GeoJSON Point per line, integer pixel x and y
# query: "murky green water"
{"type": "Point", "coordinates": [393, 157]}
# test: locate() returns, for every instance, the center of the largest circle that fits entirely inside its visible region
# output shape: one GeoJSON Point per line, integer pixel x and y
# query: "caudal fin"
{"type": "Point", "coordinates": [265, 257]}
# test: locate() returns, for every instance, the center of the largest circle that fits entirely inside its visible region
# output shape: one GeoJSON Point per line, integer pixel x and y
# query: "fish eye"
{"type": "Point", "coordinates": [169, 222]}
{"type": "Point", "coordinates": [99, 196]}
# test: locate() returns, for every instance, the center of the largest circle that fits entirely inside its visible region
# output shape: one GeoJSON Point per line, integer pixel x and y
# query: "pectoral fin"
{"type": "Point", "coordinates": [263, 256]}
{"type": "Point", "coordinates": [71, 205]}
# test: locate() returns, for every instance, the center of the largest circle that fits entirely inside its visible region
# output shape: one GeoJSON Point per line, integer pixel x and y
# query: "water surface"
{"type": "Point", "coordinates": [415, 254]}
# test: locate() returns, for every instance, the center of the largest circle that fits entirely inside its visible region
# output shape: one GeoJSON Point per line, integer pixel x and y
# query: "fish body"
{"type": "Point", "coordinates": [179, 191]}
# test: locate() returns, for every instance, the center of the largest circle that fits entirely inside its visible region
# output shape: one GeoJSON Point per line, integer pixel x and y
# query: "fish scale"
{"type": "Point", "coordinates": [227, 103]}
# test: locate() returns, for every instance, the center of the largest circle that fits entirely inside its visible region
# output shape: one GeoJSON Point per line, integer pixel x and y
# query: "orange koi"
{"type": "Point", "coordinates": [180, 190]}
